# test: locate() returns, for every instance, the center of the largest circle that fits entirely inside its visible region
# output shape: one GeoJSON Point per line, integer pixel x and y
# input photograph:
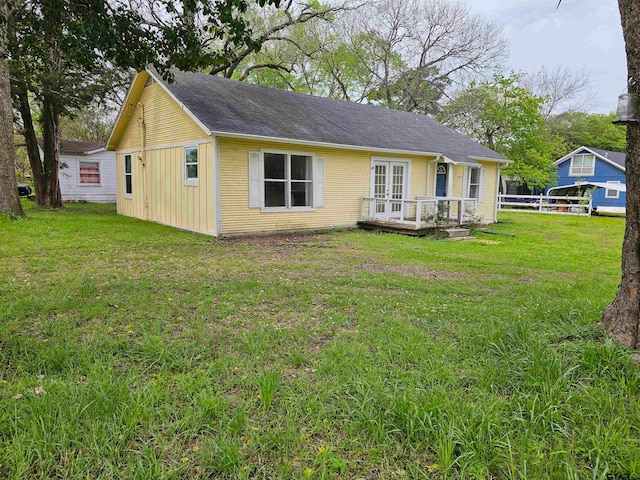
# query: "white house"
{"type": "Point", "coordinates": [87, 172]}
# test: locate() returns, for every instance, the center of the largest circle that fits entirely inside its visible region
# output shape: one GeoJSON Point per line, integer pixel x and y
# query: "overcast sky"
{"type": "Point", "coordinates": [579, 34]}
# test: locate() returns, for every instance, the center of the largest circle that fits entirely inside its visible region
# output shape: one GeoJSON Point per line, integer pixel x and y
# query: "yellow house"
{"type": "Point", "coordinates": [222, 157]}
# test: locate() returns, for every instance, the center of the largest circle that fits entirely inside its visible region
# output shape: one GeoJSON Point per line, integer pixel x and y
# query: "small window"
{"type": "Point", "coordinates": [474, 183]}
{"type": "Point", "coordinates": [612, 193]}
{"type": "Point", "coordinates": [191, 166]}
{"type": "Point", "coordinates": [582, 165]}
{"type": "Point", "coordinates": [128, 176]}
{"type": "Point", "coordinates": [89, 173]}
{"type": "Point", "coordinates": [288, 180]}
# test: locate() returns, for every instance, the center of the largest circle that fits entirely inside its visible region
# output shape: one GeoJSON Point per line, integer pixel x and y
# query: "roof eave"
{"type": "Point", "coordinates": [293, 141]}
{"type": "Point", "coordinates": [120, 125]}
{"type": "Point", "coordinates": [97, 150]}
{"type": "Point", "coordinates": [568, 155]}
{"type": "Point", "coordinates": [505, 161]}
{"type": "Point", "coordinates": [601, 157]}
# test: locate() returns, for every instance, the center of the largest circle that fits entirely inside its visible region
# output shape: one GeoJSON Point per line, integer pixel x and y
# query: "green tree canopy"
{"type": "Point", "coordinates": [66, 54]}
{"type": "Point", "coordinates": [578, 129]}
{"type": "Point", "coordinates": [505, 117]}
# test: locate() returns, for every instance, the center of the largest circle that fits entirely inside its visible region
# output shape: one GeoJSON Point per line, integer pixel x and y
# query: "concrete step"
{"type": "Point", "coordinates": [457, 232]}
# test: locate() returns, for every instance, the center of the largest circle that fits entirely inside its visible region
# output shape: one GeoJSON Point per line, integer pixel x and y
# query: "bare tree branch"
{"type": "Point", "coordinates": [562, 88]}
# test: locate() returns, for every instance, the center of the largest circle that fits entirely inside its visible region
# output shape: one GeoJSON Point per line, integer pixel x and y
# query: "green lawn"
{"type": "Point", "coordinates": [133, 350]}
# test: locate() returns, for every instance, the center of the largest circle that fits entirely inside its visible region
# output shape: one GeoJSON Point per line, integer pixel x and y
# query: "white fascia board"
{"type": "Point", "coordinates": [605, 159]}
{"type": "Point", "coordinates": [568, 155]}
{"type": "Point", "coordinates": [601, 157]}
{"type": "Point", "coordinates": [182, 105]}
{"type": "Point", "coordinates": [247, 136]}
{"type": "Point", "coordinates": [97, 150]}
{"type": "Point", "coordinates": [121, 110]}
{"type": "Point", "coordinates": [495, 160]}
{"type": "Point", "coordinates": [446, 159]}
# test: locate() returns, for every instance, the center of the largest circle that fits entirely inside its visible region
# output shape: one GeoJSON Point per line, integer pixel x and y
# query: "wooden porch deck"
{"type": "Point", "coordinates": [419, 217]}
{"type": "Point", "coordinates": [452, 229]}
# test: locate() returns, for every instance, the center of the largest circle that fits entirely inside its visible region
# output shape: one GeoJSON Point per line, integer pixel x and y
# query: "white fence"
{"type": "Point", "coordinates": [546, 204]}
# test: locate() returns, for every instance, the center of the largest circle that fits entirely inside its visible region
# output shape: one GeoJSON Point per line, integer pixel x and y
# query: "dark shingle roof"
{"type": "Point", "coordinates": [229, 106]}
{"type": "Point", "coordinates": [71, 148]}
{"type": "Point", "coordinates": [616, 157]}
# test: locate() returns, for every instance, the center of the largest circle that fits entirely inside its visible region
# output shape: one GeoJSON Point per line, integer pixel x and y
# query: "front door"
{"type": "Point", "coordinates": [389, 180]}
{"type": "Point", "coordinates": [441, 180]}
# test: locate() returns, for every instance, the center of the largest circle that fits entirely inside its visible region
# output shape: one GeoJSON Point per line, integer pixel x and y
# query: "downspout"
{"type": "Point", "coordinates": [217, 186]}
{"type": "Point", "coordinates": [143, 158]}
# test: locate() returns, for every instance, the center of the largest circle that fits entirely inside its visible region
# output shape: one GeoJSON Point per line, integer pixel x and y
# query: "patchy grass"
{"type": "Point", "coordinates": [134, 350]}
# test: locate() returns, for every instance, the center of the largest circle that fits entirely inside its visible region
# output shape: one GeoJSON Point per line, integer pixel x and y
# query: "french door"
{"type": "Point", "coordinates": [388, 182]}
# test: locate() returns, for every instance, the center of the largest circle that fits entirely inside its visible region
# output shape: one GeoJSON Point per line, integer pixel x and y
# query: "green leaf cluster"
{"type": "Point", "coordinates": [578, 129]}
{"type": "Point", "coordinates": [505, 117]}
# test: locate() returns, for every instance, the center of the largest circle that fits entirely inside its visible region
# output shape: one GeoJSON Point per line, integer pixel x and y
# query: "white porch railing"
{"type": "Point", "coordinates": [423, 212]}
{"type": "Point", "coordinates": [546, 204]}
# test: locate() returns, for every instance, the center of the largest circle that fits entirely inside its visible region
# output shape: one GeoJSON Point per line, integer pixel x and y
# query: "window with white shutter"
{"type": "Point", "coordinates": [474, 182]}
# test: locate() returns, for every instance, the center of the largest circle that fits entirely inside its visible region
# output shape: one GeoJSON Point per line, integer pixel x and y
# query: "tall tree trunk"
{"type": "Point", "coordinates": [622, 318]}
{"type": "Point", "coordinates": [9, 200]}
{"type": "Point", "coordinates": [29, 133]}
{"type": "Point", "coordinates": [51, 147]}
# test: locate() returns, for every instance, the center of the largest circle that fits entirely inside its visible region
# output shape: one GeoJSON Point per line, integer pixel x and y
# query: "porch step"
{"type": "Point", "coordinates": [457, 232]}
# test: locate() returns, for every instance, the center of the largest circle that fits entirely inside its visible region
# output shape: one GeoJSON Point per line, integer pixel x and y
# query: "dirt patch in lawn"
{"type": "Point", "coordinates": [282, 240]}
{"type": "Point", "coordinates": [412, 271]}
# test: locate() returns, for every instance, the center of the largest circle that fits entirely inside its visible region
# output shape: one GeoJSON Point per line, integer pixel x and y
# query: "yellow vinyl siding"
{"type": "Point", "coordinates": [486, 209]}
{"type": "Point", "coordinates": [168, 199]}
{"type": "Point", "coordinates": [165, 122]}
{"type": "Point", "coordinates": [160, 194]}
{"type": "Point", "coordinates": [418, 180]}
{"type": "Point", "coordinates": [159, 190]}
{"type": "Point", "coordinates": [457, 171]}
{"type": "Point", "coordinates": [347, 179]}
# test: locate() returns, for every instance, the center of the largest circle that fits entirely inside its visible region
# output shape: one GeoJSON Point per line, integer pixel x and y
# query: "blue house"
{"type": "Point", "coordinates": [587, 168]}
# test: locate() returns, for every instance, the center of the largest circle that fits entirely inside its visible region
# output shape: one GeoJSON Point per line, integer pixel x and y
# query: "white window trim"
{"type": "Point", "coordinates": [449, 177]}
{"type": "Point", "coordinates": [190, 182]}
{"type": "Point", "coordinates": [311, 208]}
{"type": "Point", "coordinates": [407, 173]}
{"type": "Point", "coordinates": [582, 174]}
{"type": "Point", "coordinates": [480, 198]}
{"type": "Point", "coordinates": [124, 170]}
{"type": "Point", "coordinates": [616, 193]}
{"type": "Point", "coordinates": [479, 184]}
{"type": "Point", "coordinates": [99, 184]}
